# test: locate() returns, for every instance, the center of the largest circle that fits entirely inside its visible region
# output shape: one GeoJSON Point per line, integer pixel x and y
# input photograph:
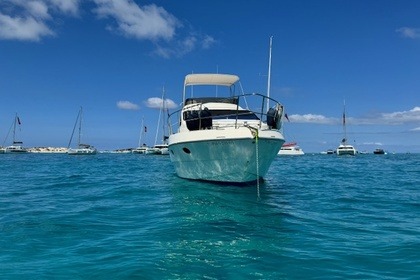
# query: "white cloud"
{"type": "Point", "coordinates": [28, 19]}
{"type": "Point", "coordinates": [38, 9]}
{"type": "Point", "coordinates": [415, 129]}
{"type": "Point", "coordinates": [157, 103]}
{"type": "Point", "coordinates": [410, 116]}
{"type": "Point", "coordinates": [208, 42]}
{"type": "Point", "coordinates": [67, 6]}
{"type": "Point", "coordinates": [127, 105]}
{"type": "Point", "coordinates": [17, 28]}
{"type": "Point", "coordinates": [312, 118]}
{"type": "Point", "coordinates": [154, 23]}
{"type": "Point", "coordinates": [32, 20]}
{"type": "Point", "coordinates": [409, 32]}
{"type": "Point", "coordinates": [373, 143]}
{"type": "Point", "coordinates": [395, 118]}
{"type": "Point", "coordinates": [148, 22]}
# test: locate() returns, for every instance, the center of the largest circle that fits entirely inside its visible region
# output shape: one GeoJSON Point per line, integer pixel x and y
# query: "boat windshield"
{"type": "Point", "coordinates": [233, 114]}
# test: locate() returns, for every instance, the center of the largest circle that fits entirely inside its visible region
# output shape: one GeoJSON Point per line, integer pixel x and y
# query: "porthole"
{"type": "Point", "coordinates": [186, 150]}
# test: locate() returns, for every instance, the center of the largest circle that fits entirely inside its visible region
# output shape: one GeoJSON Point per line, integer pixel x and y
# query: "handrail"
{"type": "Point", "coordinates": [262, 112]}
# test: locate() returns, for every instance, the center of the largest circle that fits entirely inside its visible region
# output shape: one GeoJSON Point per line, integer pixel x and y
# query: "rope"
{"type": "Point", "coordinates": [258, 166]}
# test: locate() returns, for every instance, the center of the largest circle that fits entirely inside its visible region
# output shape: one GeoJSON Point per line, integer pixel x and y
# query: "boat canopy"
{"type": "Point", "coordinates": [211, 79]}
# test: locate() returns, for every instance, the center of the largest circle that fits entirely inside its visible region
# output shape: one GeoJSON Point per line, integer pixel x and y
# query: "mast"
{"type": "Point", "coordinates": [160, 113]}
{"type": "Point", "coordinates": [74, 128]}
{"type": "Point", "coordinates": [344, 124]}
{"type": "Point", "coordinates": [141, 131]}
{"type": "Point", "coordinates": [80, 125]}
{"type": "Point", "coordinates": [269, 73]}
{"type": "Point", "coordinates": [14, 128]}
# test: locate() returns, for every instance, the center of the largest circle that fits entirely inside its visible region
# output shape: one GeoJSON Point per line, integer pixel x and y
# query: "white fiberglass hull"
{"type": "Point", "coordinates": [346, 150]}
{"type": "Point", "coordinates": [82, 152]}
{"type": "Point", "coordinates": [294, 151]}
{"type": "Point", "coordinates": [227, 156]}
{"type": "Point", "coordinates": [14, 150]}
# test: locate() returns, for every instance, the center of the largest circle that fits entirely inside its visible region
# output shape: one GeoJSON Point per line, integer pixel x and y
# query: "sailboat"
{"type": "Point", "coordinates": [82, 149]}
{"type": "Point", "coordinates": [161, 149]}
{"type": "Point", "coordinates": [344, 148]}
{"type": "Point", "coordinates": [142, 148]}
{"type": "Point", "coordinates": [17, 146]}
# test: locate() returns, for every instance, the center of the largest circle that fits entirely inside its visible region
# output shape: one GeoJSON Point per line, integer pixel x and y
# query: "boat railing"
{"type": "Point", "coordinates": [261, 112]}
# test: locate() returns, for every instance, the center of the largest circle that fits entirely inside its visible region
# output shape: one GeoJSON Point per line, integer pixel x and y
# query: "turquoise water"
{"type": "Point", "coordinates": [124, 216]}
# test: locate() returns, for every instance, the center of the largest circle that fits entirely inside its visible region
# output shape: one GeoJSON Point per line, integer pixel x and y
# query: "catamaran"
{"type": "Point", "coordinates": [17, 146]}
{"type": "Point", "coordinates": [344, 148]}
{"type": "Point", "coordinates": [81, 149]}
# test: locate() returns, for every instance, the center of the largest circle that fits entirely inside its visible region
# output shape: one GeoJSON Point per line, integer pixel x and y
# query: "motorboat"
{"type": "Point", "coordinates": [220, 137]}
{"type": "Point", "coordinates": [329, 152]}
{"type": "Point", "coordinates": [290, 149]}
{"type": "Point", "coordinates": [379, 151]}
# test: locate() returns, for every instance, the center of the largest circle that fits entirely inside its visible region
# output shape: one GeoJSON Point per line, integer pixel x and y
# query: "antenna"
{"type": "Point", "coordinates": [269, 73]}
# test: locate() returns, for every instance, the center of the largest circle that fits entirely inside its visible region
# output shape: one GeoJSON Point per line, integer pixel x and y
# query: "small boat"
{"type": "Point", "coordinates": [162, 148]}
{"type": "Point", "coordinates": [17, 146]}
{"type": "Point", "coordinates": [379, 152]}
{"type": "Point", "coordinates": [221, 139]}
{"type": "Point", "coordinates": [290, 149]}
{"type": "Point", "coordinates": [344, 148]}
{"type": "Point", "coordinates": [81, 149]}
{"type": "Point", "coordinates": [143, 148]}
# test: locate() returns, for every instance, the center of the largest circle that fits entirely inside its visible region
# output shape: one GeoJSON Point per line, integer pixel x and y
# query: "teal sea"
{"type": "Point", "coordinates": [126, 216]}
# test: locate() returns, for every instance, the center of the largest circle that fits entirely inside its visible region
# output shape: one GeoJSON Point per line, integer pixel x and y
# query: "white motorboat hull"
{"type": "Point", "coordinates": [228, 156]}
{"type": "Point", "coordinates": [291, 150]}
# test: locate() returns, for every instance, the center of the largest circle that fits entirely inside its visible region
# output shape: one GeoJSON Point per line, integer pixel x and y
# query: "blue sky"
{"type": "Point", "coordinates": [114, 57]}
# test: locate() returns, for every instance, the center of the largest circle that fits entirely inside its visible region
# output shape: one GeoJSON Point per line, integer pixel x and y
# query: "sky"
{"type": "Point", "coordinates": [116, 58]}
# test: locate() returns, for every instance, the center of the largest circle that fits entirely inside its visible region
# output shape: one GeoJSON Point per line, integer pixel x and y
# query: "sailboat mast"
{"type": "Point", "coordinates": [160, 114]}
{"type": "Point", "coordinates": [14, 128]}
{"type": "Point", "coordinates": [141, 131]}
{"type": "Point", "coordinates": [269, 73]}
{"type": "Point", "coordinates": [344, 123]}
{"type": "Point", "coordinates": [164, 110]}
{"type": "Point", "coordinates": [80, 124]}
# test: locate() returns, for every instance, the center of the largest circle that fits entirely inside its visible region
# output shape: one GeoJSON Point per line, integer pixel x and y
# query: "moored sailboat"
{"type": "Point", "coordinates": [142, 148]}
{"type": "Point", "coordinates": [17, 146]}
{"type": "Point", "coordinates": [81, 149]}
{"type": "Point", "coordinates": [344, 148]}
{"type": "Point", "coordinates": [162, 148]}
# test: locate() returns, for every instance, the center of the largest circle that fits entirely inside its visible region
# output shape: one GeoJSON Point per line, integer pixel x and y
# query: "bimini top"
{"type": "Point", "coordinates": [210, 79]}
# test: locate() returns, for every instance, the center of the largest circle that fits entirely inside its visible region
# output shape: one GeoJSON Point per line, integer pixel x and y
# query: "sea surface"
{"type": "Point", "coordinates": [126, 216]}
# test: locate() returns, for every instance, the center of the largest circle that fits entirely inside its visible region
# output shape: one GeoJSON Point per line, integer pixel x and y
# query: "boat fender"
{"type": "Point", "coordinates": [192, 120]}
{"type": "Point", "coordinates": [206, 119]}
{"type": "Point", "coordinates": [274, 117]}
